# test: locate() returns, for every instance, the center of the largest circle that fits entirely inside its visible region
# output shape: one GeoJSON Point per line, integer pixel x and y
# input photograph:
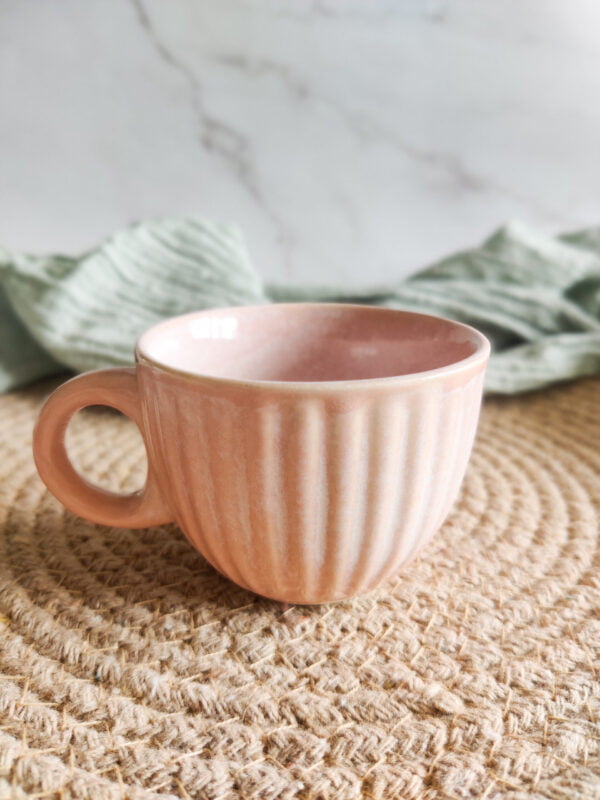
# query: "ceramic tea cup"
{"type": "Point", "coordinates": [308, 451]}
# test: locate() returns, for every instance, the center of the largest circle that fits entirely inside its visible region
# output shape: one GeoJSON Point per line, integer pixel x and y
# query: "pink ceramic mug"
{"type": "Point", "coordinates": [306, 450]}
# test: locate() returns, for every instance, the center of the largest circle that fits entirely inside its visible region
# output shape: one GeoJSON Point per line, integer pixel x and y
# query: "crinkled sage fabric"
{"type": "Point", "coordinates": [536, 297]}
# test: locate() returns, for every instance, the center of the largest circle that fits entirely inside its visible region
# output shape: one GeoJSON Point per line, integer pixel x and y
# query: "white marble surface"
{"type": "Point", "coordinates": [352, 140]}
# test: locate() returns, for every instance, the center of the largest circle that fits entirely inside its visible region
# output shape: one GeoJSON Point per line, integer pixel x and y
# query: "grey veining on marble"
{"type": "Point", "coordinates": [351, 140]}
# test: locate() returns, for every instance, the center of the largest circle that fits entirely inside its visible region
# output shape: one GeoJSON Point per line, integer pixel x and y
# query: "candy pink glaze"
{"type": "Point", "coordinates": [307, 450]}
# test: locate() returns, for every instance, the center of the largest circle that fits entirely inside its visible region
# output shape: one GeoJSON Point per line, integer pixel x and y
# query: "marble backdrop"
{"type": "Point", "coordinates": [352, 140]}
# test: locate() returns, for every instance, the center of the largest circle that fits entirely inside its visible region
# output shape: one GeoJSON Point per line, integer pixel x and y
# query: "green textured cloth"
{"type": "Point", "coordinates": [536, 297]}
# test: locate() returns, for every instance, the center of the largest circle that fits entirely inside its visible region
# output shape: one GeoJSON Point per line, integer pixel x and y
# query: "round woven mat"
{"type": "Point", "coordinates": [129, 668]}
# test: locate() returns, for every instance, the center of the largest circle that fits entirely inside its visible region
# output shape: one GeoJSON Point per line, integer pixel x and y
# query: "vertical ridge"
{"type": "Point", "coordinates": [398, 490]}
{"type": "Point", "coordinates": [346, 446]}
{"type": "Point", "coordinates": [199, 519]}
{"type": "Point", "coordinates": [443, 474]}
{"type": "Point", "coordinates": [387, 425]}
{"type": "Point", "coordinates": [425, 468]}
{"type": "Point", "coordinates": [268, 512]}
{"type": "Point", "coordinates": [218, 433]}
{"type": "Point", "coordinates": [304, 492]}
{"type": "Point", "coordinates": [454, 472]}
{"type": "Point", "coordinates": [244, 548]}
{"type": "Point", "coordinates": [419, 453]}
{"type": "Point", "coordinates": [466, 427]}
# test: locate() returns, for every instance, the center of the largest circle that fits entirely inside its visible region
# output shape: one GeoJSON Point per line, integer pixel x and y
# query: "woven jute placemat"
{"type": "Point", "coordinates": [129, 668]}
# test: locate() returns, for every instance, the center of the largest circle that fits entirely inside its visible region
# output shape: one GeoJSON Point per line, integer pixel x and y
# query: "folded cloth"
{"type": "Point", "coordinates": [536, 297]}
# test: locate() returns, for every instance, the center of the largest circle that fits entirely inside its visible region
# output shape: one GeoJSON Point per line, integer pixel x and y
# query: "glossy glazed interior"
{"type": "Point", "coordinates": [308, 343]}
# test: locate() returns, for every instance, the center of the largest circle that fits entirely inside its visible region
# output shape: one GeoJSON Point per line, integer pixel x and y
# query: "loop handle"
{"type": "Point", "coordinates": [109, 387]}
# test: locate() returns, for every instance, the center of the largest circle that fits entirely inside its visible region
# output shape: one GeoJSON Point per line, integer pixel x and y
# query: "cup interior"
{"type": "Point", "coordinates": [308, 342]}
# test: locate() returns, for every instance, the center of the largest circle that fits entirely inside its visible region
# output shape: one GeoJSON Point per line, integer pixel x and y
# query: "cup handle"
{"type": "Point", "coordinates": [109, 387]}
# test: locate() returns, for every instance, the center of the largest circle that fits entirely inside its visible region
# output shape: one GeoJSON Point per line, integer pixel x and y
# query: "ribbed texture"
{"type": "Point", "coordinates": [310, 499]}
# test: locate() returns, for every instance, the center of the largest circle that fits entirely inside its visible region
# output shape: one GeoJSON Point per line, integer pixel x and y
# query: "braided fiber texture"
{"type": "Point", "coordinates": [130, 669]}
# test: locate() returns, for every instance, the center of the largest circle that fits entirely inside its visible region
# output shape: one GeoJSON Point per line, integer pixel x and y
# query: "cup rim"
{"type": "Point", "coordinates": [478, 358]}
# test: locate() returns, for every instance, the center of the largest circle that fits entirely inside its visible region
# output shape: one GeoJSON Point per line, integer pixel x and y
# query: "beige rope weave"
{"type": "Point", "coordinates": [130, 669]}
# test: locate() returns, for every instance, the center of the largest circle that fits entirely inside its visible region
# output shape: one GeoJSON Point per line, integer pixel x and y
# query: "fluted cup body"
{"type": "Point", "coordinates": [315, 477]}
